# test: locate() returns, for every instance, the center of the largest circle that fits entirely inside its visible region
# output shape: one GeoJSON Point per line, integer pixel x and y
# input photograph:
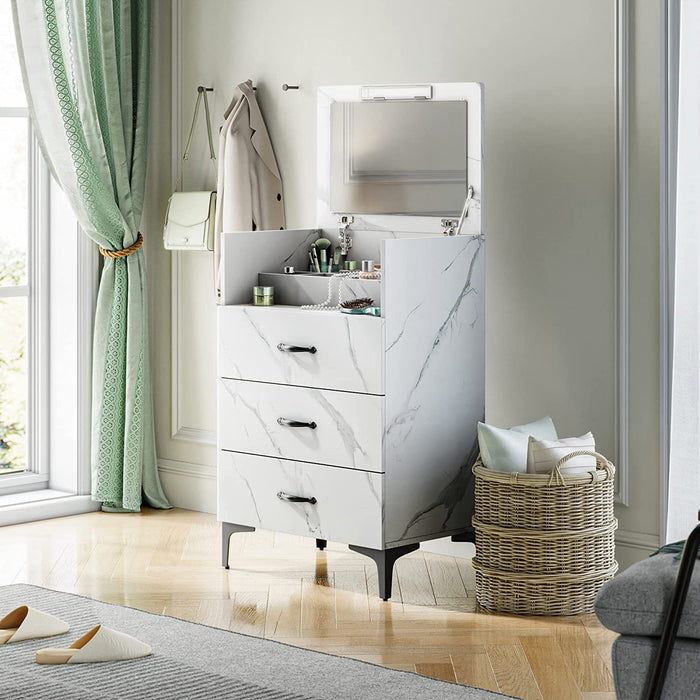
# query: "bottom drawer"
{"type": "Point", "coordinates": [347, 507]}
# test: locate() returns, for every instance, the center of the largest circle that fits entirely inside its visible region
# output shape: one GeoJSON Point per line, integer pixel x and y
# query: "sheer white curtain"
{"type": "Point", "coordinates": [684, 458]}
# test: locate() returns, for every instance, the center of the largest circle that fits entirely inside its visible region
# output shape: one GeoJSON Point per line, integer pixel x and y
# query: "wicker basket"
{"type": "Point", "coordinates": [545, 543]}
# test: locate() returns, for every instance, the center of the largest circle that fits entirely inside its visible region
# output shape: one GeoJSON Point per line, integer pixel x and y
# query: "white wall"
{"type": "Point", "coordinates": [550, 214]}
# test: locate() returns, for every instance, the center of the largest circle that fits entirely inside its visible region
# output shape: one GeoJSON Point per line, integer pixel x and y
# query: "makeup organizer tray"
{"type": "Point", "coordinates": [259, 258]}
{"type": "Point", "coordinates": [303, 288]}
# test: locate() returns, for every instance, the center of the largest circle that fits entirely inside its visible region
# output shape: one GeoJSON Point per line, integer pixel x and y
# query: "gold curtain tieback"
{"type": "Point", "coordinates": [122, 253]}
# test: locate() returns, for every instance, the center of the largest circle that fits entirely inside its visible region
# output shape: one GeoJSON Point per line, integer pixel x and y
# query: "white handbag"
{"type": "Point", "coordinates": [190, 216]}
{"type": "Point", "coordinates": [189, 221]}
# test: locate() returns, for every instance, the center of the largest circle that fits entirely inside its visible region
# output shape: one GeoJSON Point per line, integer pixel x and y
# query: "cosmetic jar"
{"type": "Point", "coordinates": [367, 271]}
{"type": "Point", "coordinates": [263, 296]}
{"type": "Point", "coordinates": [351, 265]}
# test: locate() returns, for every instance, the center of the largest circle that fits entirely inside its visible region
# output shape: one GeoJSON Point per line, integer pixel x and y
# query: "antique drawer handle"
{"type": "Point", "coordinates": [295, 499]}
{"type": "Point", "coordinates": [283, 347]}
{"type": "Point", "coordinates": [297, 423]}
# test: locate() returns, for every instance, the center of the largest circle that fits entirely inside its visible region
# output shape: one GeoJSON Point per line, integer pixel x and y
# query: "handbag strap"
{"type": "Point", "coordinates": [201, 95]}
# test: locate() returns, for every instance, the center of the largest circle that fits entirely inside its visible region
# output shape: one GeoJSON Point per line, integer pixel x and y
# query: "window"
{"type": "Point", "coordinates": [23, 205]}
{"type": "Point", "coordinates": [45, 348]}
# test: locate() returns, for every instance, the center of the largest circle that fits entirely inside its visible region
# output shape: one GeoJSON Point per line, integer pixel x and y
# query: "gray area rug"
{"type": "Point", "coordinates": [193, 662]}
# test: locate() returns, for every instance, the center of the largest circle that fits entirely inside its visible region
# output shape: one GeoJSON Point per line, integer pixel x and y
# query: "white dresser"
{"type": "Point", "coordinates": [356, 429]}
{"type": "Point", "coordinates": [352, 428]}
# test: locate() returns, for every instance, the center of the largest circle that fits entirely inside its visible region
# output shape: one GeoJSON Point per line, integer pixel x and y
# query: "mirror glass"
{"type": "Point", "coordinates": [399, 157]}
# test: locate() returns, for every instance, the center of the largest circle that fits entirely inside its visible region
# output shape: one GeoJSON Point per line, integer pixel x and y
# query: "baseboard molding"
{"type": "Point", "coordinates": [189, 485]}
{"type": "Point", "coordinates": [637, 540]}
{"type": "Point", "coordinates": [45, 509]}
{"type": "Point", "coordinates": [631, 547]}
{"type": "Point", "coordinates": [445, 545]}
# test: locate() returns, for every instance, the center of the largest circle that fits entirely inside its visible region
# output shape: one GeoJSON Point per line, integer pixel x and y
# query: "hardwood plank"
{"type": "Point", "coordinates": [284, 542]}
{"type": "Point", "coordinates": [256, 580]}
{"type": "Point", "coordinates": [13, 564]}
{"type": "Point", "coordinates": [544, 655]}
{"type": "Point", "coordinates": [182, 610]}
{"type": "Point", "coordinates": [259, 541]}
{"type": "Point", "coordinates": [456, 604]}
{"type": "Point", "coordinates": [283, 617]}
{"type": "Point", "coordinates": [151, 605]}
{"type": "Point", "coordinates": [37, 562]}
{"type": "Point", "coordinates": [602, 639]}
{"type": "Point", "coordinates": [512, 671]}
{"type": "Point", "coordinates": [441, 671]}
{"type": "Point", "coordinates": [198, 543]}
{"type": "Point", "coordinates": [215, 613]}
{"type": "Point", "coordinates": [445, 577]}
{"type": "Point", "coordinates": [411, 668]}
{"type": "Point", "coordinates": [70, 565]}
{"type": "Point", "coordinates": [466, 571]}
{"type": "Point", "coordinates": [134, 560]}
{"type": "Point", "coordinates": [416, 588]}
{"type": "Point", "coordinates": [585, 663]}
{"type": "Point", "coordinates": [317, 604]}
{"type": "Point", "coordinates": [475, 669]}
{"type": "Point", "coordinates": [351, 599]}
{"type": "Point", "coordinates": [97, 572]}
{"type": "Point", "coordinates": [171, 545]}
{"type": "Point", "coordinates": [248, 612]}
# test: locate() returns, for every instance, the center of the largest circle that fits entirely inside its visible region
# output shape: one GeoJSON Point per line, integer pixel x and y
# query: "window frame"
{"type": "Point", "coordinates": [36, 475]}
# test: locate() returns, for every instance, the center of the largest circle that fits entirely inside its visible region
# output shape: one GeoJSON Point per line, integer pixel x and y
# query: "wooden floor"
{"type": "Point", "coordinates": [281, 588]}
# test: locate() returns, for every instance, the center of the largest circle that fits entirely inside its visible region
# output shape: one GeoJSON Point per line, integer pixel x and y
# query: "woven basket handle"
{"type": "Point", "coordinates": [601, 462]}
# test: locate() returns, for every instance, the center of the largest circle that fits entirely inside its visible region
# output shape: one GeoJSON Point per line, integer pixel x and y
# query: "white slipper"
{"type": "Point", "coordinates": [99, 644]}
{"type": "Point", "coordinates": [27, 623]}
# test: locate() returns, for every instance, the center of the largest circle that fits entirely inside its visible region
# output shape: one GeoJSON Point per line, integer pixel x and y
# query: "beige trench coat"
{"type": "Point", "coordinates": [249, 186]}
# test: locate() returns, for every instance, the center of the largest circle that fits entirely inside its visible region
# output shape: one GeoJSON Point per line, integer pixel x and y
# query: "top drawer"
{"type": "Point", "coordinates": [255, 343]}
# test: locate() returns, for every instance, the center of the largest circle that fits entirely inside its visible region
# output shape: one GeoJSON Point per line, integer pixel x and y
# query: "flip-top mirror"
{"type": "Point", "coordinates": [406, 156]}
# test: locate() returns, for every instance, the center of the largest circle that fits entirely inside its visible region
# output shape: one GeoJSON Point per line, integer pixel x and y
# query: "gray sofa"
{"type": "Point", "coordinates": [644, 604]}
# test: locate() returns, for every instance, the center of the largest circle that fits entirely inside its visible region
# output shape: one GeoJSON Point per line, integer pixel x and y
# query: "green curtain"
{"type": "Point", "coordinates": [86, 73]}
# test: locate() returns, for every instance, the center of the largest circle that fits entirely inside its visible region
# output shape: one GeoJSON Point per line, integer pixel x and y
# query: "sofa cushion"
{"type": "Point", "coordinates": [635, 601]}
{"type": "Point", "coordinates": [632, 658]}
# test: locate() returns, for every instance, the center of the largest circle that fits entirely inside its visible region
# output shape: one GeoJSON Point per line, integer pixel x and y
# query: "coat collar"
{"type": "Point", "coordinates": [260, 138]}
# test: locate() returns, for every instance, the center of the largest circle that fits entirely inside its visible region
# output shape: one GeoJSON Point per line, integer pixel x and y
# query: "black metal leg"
{"type": "Point", "coordinates": [673, 617]}
{"type": "Point", "coordinates": [321, 544]}
{"type": "Point", "coordinates": [385, 560]}
{"type": "Point", "coordinates": [227, 529]}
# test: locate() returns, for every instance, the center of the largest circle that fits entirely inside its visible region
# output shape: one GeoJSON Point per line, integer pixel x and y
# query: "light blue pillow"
{"type": "Point", "coordinates": [543, 426]}
{"type": "Point", "coordinates": [506, 450]}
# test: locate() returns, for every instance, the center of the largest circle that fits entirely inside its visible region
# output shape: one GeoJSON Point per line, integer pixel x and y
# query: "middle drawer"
{"type": "Point", "coordinates": [310, 425]}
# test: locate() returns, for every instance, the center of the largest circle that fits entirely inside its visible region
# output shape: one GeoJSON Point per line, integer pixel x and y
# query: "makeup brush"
{"type": "Point", "coordinates": [314, 255]}
{"type": "Point", "coordinates": [323, 244]}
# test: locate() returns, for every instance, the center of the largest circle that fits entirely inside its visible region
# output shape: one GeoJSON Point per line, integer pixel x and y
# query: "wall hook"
{"type": "Point", "coordinates": [286, 87]}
